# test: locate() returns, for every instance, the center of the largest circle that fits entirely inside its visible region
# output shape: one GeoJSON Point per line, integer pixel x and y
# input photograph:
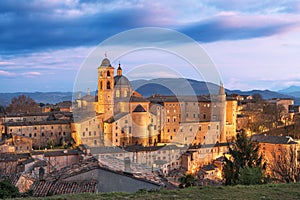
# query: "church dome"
{"type": "Point", "coordinates": [105, 62]}
{"type": "Point", "coordinates": [121, 81]}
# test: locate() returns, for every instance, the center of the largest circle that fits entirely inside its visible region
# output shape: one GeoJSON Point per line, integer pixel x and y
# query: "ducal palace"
{"type": "Point", "coordinates": [119, 116]}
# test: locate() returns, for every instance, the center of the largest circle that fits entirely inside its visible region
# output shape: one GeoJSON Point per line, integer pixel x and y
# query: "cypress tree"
{"type": "Point", "coordinates": [244, 154]}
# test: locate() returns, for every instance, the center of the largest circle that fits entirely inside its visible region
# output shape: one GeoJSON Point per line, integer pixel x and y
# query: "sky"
{"type": "Point", "coordinates": [253, 44]}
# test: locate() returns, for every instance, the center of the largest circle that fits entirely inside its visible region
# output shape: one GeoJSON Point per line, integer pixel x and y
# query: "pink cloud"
{"type": "Point", "coordinates": [6, 73]}
{"type": "Point", "coordinates": [31, 74]}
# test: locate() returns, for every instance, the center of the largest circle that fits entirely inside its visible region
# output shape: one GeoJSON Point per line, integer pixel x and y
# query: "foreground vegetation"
{"type": "Point", "coordinates": [268, 191]}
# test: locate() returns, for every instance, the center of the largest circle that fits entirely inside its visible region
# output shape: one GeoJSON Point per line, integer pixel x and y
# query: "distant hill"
{"type": "Point", "coordinates": [171, 86]}
{"type": "Point", "coordinates": [163, 86]}
{"type": "Point", "coordinates": [39, 97]}
{"type": "Point", "coordinates": [179, 86]}
{"type": "Point", "coordinates": [266, 94]}
{"type": "Point", "coordinates": [292, 90]}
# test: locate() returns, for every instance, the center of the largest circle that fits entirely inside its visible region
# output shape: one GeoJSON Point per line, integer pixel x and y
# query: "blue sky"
{"type": "Point", "coordinates": [254, 44]}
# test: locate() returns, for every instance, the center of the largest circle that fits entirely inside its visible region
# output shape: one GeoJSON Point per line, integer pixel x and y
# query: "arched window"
{"type": "Point", "coordinates": [118, 93]}
{"type": "Point", "coordinates": [108, 73]}
{"type": "Point", "coordinates": [125, 93]}
{"type": "Point", "coordinates": [101, 85]}
{"type": "Point", "coordinates": [108, 85]}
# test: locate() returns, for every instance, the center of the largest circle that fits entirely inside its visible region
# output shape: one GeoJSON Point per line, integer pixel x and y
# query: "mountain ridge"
{"type": "Point", "coordinates": [163, 86]}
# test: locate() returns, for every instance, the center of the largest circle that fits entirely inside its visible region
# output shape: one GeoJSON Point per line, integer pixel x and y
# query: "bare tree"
{"type": "Point", "coordinates": [265, 116]}
{"type": "Point", "coordinates": [285, 167]}
{"type": "Point", "coordinates": [22, 104]}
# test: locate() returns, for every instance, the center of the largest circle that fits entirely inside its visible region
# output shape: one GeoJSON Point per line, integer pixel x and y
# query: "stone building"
{"type": "Point", "coordinates": [44, 129]}
{"type": "Point", "coordinates": [126, 118]}
{"type": "Point", "coordinates": [276, 148]}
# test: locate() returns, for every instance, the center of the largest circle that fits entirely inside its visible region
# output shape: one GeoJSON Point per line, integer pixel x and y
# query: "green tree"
{"type": "Point", "coordinates": [8, 190]}
{"type": "Point", "coordinates": [187, 180]}
{"type": "Point", "coordinates": [250, 176]}
{"type": "Point", "coordinates": [244, 154]}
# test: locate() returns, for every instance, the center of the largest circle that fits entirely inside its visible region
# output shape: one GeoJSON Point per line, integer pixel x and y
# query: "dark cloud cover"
{"type": "Point", "coordinates": [25, 32]}
{"type": "Point", "coordinates": [29, 26]}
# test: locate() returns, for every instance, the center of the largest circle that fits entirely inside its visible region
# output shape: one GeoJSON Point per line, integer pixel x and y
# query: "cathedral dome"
{"type": "Point", "coordinates": [121, 81]}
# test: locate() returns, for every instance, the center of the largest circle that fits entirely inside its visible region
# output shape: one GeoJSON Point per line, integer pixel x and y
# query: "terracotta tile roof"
{"type": "Point", "coordinates": [116, 117]}
{"type": "Point", "coordinates": [209, 167]}
{"type": "Point", "coordinates": [61, 152]}
{"type": "Point", "coordinates": [32, 123]}
{"type": "Point", "coordinates": [262, 138]}
{"type": "Point", "coordinates": [179, 98]}
{"type": "Point", "coordinates": [84, 166]}
{"type": "Point", "coordinates": [46, 188]}
{"type": "Point", "coordinates": [138, 99]}
{"type": "Point", "coordinates": [13, 157]}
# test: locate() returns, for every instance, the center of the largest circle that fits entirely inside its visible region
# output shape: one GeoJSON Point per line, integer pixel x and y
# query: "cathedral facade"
{"type": "Point", "coordinates": [123, 117]}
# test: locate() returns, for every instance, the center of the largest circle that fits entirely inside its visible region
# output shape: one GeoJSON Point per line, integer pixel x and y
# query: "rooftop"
{"type": "Point", "coordinates": [262, 138]}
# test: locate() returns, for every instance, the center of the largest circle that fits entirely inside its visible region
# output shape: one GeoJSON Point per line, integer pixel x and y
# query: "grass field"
{"type": "Point", "coordinates": [270, 191]}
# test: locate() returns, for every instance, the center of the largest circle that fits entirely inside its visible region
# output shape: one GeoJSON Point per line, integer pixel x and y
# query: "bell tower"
{"type": "Point", "coordinates": [105, 103]}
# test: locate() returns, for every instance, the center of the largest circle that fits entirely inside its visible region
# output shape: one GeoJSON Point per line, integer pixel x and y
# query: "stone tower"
{"type": "Point", "coordinates": [105, 104]}
{"type": "Point", "coordinates": [222, 112]}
